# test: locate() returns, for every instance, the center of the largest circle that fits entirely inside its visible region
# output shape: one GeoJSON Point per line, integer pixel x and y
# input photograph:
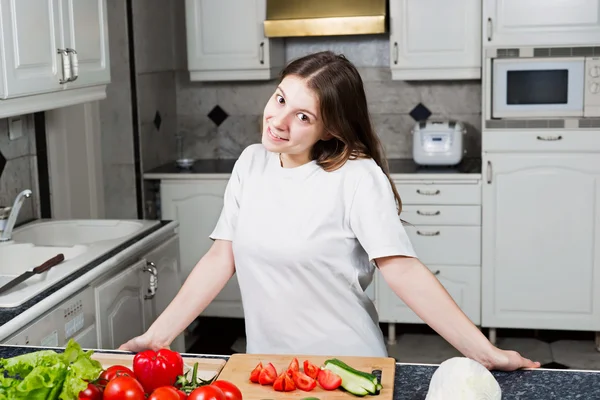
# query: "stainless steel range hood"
{"type": "Point", "coordinates": [287, 18]}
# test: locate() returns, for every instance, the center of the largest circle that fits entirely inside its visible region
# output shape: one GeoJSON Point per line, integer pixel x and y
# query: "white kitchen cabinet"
{"type": "Point", "coordinates": [519, 23]}
{"type": "Point", "coordinates": [196, 205]}
{"type": "Point", "coordinates": [53, 53]}
{"type": "Point", "coordinates": [435, 39]}
{"type": "Point", "coordinates": [226, 41]}
{"type": "Point", "coordinates": [540, 251]}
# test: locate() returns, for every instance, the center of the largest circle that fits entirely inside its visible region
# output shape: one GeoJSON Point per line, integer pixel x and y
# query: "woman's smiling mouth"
{"type": "Point", "coordinates": [275, 137]}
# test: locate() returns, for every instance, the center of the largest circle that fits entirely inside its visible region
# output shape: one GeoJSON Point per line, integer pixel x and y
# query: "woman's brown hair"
{"type": "Point", "coordinates": [344, 110]}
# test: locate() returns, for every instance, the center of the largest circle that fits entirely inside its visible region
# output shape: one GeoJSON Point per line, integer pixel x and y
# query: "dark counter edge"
{"type": "Point", "coordinates": [6, 314]}
{"type": "Point", "coordinates": [412, 381]}
{"type": "Point", "coordinates": [396, 166]}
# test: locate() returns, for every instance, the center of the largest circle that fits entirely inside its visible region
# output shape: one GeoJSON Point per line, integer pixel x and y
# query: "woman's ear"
{"type": "Point", "coordinates": [326, 136]}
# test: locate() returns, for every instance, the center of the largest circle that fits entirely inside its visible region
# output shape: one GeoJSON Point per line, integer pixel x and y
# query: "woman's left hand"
{"type": "Point", "coordinates": [508, 360]}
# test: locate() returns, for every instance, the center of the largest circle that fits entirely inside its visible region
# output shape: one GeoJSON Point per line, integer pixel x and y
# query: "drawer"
{"type": "Point", "coordinates": [438, 193]}
{"type": "Point", "coordinates": [441, 215]}
{"type": "Point", "coordinates": [462, 283]}
{"type": "Point", "coordinates": [446, 245]}
{"type": "Point", "coordinates": [539, 140]}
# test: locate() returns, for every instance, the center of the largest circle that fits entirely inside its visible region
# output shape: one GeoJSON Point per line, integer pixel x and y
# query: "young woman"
{"type": "Point", "coordinates": [308, 214]}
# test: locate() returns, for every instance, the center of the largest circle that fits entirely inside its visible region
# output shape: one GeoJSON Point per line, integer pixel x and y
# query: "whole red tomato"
{"type": "Point", "coordinates": [92, 392]}
{"type": "Point", "coordinates": [124, 388]}
{"type": "Point", "coordinates": [230, 391]}
{"type": "Point", "coordinates": [166, 393]}
{"type": "Point", "coordinates": [155, 369]}
{"type": "Point", "coordinates": [112, 372]}
{"type": "Point", "coordinates": [208, 392]}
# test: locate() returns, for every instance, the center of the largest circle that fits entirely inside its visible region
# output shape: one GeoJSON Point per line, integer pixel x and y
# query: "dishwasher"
{"type": "Point", "coordinates": [74, 319]}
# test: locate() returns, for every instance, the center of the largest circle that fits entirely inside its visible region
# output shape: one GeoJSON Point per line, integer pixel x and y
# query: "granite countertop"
{"type": "Point", "coordinates": [396, 166]}
{"type": "Point", "coordinates": [7, 314]}
{"type": "Point", "coordinates": [412, 380]}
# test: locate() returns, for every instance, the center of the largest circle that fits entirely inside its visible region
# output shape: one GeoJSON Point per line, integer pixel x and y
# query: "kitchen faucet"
{"type": "Point", "coordinates": [14, 213]}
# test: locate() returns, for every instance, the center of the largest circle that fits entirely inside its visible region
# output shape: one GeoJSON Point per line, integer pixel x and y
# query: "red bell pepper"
{"type": "Point", "coordinates": [155, 369]}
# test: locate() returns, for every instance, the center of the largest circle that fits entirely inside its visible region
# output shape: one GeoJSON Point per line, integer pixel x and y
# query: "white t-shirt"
{"type": "Point", "coordinates": [302, 242]}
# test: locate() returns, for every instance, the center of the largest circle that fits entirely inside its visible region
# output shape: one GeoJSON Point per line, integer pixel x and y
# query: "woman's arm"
{"type": "Point", "coordinates": [424, 294]}
{"type": "Point", "coordinates": [206, 280]}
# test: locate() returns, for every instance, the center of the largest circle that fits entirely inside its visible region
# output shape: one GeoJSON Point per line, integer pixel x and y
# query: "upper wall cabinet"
{"type": "Point", "coordinates": [54, 53]}
{"type": "Point", "coordinates": [516, 23]}
{"type": "Point", "coordinates": [226, 41]}
{"type": "Point", "coordinates": [435, 39]}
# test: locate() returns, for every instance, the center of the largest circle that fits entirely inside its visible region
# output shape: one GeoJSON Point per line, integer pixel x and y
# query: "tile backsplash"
{"type": "Point", "coordinates": [219, 119]}
{"type": "Point", "coordinates": [20, 171]}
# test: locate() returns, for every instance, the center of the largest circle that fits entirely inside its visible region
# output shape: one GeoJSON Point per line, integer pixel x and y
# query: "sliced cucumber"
{"type": "Point", "coordinates": [356, 382]}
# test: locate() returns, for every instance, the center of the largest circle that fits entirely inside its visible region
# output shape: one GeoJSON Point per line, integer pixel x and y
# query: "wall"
{"type": "Point", "coordinates": [20, 171]}
{"type": "Point", "coordinates": [390, 102]}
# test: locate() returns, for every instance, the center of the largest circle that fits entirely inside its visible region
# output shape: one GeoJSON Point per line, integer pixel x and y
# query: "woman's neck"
{"type": "Point", "coordinates": [293, 160]}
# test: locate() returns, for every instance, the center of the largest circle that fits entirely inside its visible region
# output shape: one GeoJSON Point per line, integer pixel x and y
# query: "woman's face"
{"type": "Point", "coordinates": [291, 121]}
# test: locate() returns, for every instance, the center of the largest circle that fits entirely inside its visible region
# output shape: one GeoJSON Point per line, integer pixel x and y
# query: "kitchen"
{"type": "Point", "coordinates": [169, 98]}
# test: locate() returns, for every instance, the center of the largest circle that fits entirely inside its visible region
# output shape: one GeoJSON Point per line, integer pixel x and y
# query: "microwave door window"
{"type": "Point", "coordinates": [532, 87]}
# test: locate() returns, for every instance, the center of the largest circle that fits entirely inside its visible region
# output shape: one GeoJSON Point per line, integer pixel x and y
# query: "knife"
{"type": "Point", "coordinates": [37, 270]}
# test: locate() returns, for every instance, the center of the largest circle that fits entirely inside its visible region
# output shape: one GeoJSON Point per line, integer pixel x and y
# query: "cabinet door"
{"type": "Point", "coordinates": [225, 41]}
{"type": "Point", "coordinates": [541, 253]}
{"type": "Point", "coordinates": [197, 205]}
{"type": "Point", "coordinates": [166, 260]}
{"type": "Point", "coordinates": [86, 31]}
{"type": "Point", "coordinates": [435, 39]}
{"type": "Point", "coordinates": [541, 22]}
{"type": "Point", "coordinates": [31, 37]}
{"type": "Point", "coordinates": [120, 307]}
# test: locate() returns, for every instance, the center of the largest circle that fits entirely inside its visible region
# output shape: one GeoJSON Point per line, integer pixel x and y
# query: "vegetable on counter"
{"type": "Point", "coordinates": [155, 369]}
{"type": "Point", "coordinates": [48, 375]}
{"type": "Point", "coordinates": [461, 377]}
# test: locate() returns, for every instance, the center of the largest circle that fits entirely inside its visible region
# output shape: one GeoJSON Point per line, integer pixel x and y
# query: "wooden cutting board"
{"type": "Point", "coordinates": [207, 367]}
{"type": "Point", "coordinates": [238, 367]}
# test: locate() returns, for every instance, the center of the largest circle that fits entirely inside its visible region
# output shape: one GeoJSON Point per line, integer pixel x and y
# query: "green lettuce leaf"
{"type": "Point", "coordinates": [80, 370]}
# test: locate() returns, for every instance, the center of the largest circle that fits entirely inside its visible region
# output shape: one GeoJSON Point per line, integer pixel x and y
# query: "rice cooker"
{"type": "Point", "coordinates": [438, 142]}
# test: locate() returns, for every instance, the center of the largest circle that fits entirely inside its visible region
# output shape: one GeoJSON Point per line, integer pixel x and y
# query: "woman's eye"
{"type": "Point", "coordinates": [280, 99]}
{"type": "Point", "coordinates": [303, 117]}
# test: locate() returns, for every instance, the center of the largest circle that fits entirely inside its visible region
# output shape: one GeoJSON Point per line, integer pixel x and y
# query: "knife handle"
{"type": "Point", "coordinates": [49, 264]}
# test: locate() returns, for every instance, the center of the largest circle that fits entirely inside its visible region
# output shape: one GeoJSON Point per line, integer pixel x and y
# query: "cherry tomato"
{"type": "Point", "coordinates": [112, 372]}
{"type": "Point", "coordinates": [304, 382]}
{"type": "Point", "coordinates": [124, 388]}
{"type": "Point", "coordinates": [165, 393]}
{"type": "Point", "coordinates": [208, 392]}
{"type": "Point", "coordinates": [92, 392]}
{"type": "Point", "coordinates": [256, 372]}
{"type": "Point", "coordinates": [230, 391]}
{"type": "Point", "coordinates": [311, 369]}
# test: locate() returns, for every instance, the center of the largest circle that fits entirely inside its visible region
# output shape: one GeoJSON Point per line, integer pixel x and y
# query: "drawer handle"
{"type": "Point", "coordinates": [437, 272]}
{"type": "Point", "coordinates": [436, 233]}
{"type": "Point", "coordinates": [549, 138]}
{"type": "Point", "coordinates": [428, 213]}
{"type": "Point", "coordinates": [428, 192]}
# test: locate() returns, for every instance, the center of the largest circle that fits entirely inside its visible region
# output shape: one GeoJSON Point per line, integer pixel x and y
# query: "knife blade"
{"type": "Point", "coordinates": [37, 270]}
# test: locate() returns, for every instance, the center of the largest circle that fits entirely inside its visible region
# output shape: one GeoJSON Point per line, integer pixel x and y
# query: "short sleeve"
{"type": "Point", "coordinates": [374, 217]}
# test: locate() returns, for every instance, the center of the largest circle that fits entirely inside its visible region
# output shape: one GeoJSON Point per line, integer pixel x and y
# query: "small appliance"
{"type": "Point", "coordinates": [438, 142]}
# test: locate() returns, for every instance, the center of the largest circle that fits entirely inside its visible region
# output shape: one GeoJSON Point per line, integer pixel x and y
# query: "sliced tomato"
{"type": "Point", "coordinates": [311, 369]}
{"type": "Point", "coordinates": [256, 372]}
{"type": "Point", "coordinates": [329, 380]}
{"type": "Point", "coordinates": [293, 367]}
{"type": "Point", "coordinates": [303, 381]}
{"type": "Point", "coordinates": [284, 383]}
{"type": "Point", "coordinates": [267, 375]}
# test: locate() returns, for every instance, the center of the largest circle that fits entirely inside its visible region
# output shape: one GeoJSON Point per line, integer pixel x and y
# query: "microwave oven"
{"type": "Point", "coordinates": [545, 87]}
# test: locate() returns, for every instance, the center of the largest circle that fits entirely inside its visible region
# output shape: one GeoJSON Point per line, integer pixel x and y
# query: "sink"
{"type": "Point", "coordinates": [17, 258]}
{"type": "Point", "coordinates": [74, 232]}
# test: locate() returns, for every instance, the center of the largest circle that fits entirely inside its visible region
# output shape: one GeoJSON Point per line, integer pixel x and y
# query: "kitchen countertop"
{"type": "Point", "coordinates": [400, 168]}
{"type": "Point", "coordinates": [412, 380]}
{"type": "Point", "coordinates": [14, 318]}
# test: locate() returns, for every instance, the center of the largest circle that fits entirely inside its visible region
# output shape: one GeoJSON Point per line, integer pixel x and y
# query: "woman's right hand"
{"type": "Point", "coordinates": [141, 343]}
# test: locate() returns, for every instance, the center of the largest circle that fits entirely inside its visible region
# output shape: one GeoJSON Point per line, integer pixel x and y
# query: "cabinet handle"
{"type": "Point", "coordinates": [74, 64]}
{"type": "Point", "coordinates": [66, 66]}
{"type": "Point", "coordinates": [489, 29]}
{"type": "Point", "coordinates": [437, 272]}
{"type": "Point", "coordinates": [428, 213]}
{"type": "Point", "coordinates": [262, 52]}
{"type": "Point", "coordinates": [428, 192]}
{"type": "Point", "coordinates": [151, 268]}
{"type": "Point", "coordinates": [395, 52]}
{"type": "Point", "coordinates": [549, 138]}
{"type": "Point", "coordinates": [436, 233]}
{"type": "Point", "coordinates": [489, 172]}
